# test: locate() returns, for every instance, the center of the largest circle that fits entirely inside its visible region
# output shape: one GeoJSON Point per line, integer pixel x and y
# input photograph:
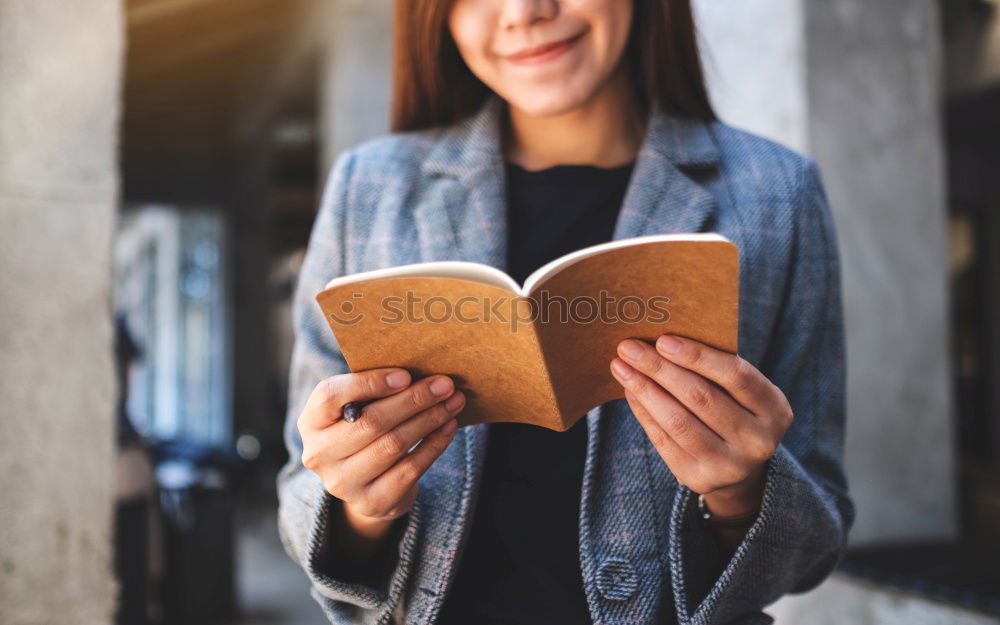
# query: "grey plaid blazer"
{"type": "Point", "coordinates": [645, 555]}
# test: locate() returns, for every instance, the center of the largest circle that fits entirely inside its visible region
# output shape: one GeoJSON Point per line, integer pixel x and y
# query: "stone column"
{"type": "Point", "coordinates": [874, 95]}
{"type": "Point", "coordinates": [356, 75]}
{"type": "Point", "coordinates": [854, 83]}
{"type": "Point", "coordinates": [60, 67]}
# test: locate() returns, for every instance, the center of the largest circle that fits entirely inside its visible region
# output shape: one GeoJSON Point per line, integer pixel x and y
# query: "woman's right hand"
{"type": "Point", "coordinates": [367, 464]}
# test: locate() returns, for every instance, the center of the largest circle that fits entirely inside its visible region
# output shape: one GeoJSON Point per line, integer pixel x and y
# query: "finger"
{"type": "Point", "coordinates": [739, 378]}
{"type": "Point", "coordinates": [701, 474]}
{"type": "Point", "coordinates": [673, 454]}
{"type": "Point", "coordinates": [323, 407]}
{"type": "Point", "coordinates": [383, 415]}
{"type": "Point", "coordinates": [687, 430]}
{"type": "Point", "coordinates": [704, 399]}
{"type": "Point", "coordinates": [392, 485]}
{"type": "Point", "coordinates": [386, 450]}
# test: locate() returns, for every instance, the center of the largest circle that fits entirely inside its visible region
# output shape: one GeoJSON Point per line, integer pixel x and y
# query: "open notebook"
{"type": "Point", "coordinates": [539, 352]}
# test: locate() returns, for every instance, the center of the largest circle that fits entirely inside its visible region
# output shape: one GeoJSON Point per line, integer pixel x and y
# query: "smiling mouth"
{"type": "Point", "coordinates": [545, 52]}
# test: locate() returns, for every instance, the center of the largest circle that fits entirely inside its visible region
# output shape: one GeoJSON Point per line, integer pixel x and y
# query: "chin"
{"type": "Point", "coordinates": [548, 101]}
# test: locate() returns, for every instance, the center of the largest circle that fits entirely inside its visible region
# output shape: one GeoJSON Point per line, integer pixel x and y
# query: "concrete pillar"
{"type": "Point", "coordinates": [356, 75]}
{"type": "Point", "coordinates": [854, 83]}
{"type": "Point", "coordinates": [877, 132]}
{"type": "Point", "coordinates": [60, 67]}
{"type": "Point", "coordinates": [763, 90]}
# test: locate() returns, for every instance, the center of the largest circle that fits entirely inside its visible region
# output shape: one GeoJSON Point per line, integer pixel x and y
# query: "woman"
{"type": "Point", "coordinates": [525, 129]}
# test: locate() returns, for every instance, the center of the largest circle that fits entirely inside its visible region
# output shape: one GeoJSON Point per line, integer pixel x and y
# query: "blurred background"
{"type": "Point", "coordinates": [160, 167]}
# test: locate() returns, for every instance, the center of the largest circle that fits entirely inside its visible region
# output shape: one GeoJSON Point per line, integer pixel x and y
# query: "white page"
{"type": "Point", "coordinates": [485, 274]}
{"type": "Point", "coordinates": [443, 268]}
{"type": "Point", "coordinates": [551, 268]}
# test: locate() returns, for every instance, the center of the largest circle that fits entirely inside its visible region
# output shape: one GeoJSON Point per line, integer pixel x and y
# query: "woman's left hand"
{"type": "Point", "coordinates": [712, 416]}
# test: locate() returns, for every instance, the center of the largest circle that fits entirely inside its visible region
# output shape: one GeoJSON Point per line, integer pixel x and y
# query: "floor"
{"type": "Point", "coordinates": [271, 588]}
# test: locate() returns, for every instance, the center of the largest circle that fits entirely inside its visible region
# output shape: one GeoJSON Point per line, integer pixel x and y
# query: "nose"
{"type": "Point", "coordinates": [516, 13]}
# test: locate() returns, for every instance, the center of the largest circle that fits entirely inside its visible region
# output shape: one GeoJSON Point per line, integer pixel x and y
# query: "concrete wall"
{"type": "Point", "coordinates": [356, 83]}
{"type": "Point", "coordinates": [763, 40]}
{"type": "Point", "coordinates": [876, 130]}
{"type": "Point", "coordinates": [861, 94]}
{"type": "Point", "coordinates": [60, 70]}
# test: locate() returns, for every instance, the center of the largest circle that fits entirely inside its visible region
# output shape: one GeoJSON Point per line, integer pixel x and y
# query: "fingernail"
{"type": "Point", "coordinates": [621, 369]}
{"type": "Point", "coordinates": [453, 402]}
{"type": "Point", "coordinates": [668, 344]}
{"type": "Point", "coordinates": [450, 427]}
{"type": "Point", "coordinates": [631, 349]}
{"type": "Point", "coordinates": [441, 386]}
{"type": "Point", "coordinates": [397, 379]}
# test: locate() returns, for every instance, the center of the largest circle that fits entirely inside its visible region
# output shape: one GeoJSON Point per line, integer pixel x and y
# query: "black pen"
{"type": "Point", "coordinates": [352, 410]}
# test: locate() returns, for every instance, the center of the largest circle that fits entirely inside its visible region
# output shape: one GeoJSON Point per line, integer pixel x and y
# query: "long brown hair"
{"type": "Point", "coordinates": [433, 86]}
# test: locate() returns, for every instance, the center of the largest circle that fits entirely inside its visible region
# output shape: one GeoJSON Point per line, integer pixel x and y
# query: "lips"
{"type": "Point", "coordinates": [544, 52]}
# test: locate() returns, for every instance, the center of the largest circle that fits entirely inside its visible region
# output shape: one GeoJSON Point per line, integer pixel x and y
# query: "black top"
{"type": "Point", "coordinates": [522, 564]}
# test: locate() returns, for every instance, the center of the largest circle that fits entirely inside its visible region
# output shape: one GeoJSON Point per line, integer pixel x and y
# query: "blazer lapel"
{"type": "Point", "coordinates": [662, 197]}
{"type": "Point", "coordinates": [465, 218]}
{"type": "Point", "coordinates": [462, 215]}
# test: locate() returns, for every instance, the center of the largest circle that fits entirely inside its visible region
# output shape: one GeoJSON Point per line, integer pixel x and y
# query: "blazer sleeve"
{"type": "Point", "coordinates": [346, 591]}
{"type": "Point", "coordinates": [800, 533]}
